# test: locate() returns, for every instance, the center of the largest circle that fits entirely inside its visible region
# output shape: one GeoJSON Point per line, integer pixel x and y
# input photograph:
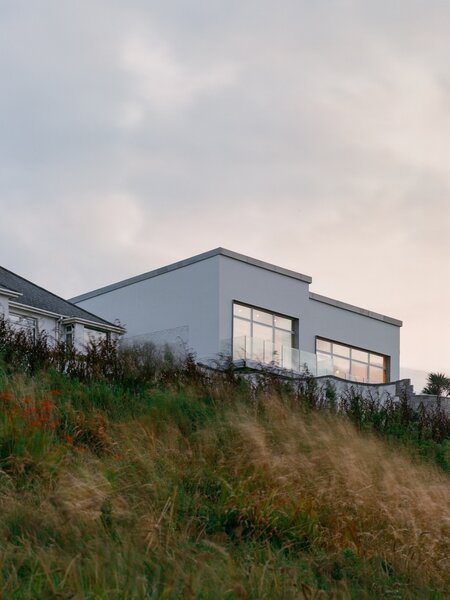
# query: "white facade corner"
{"type": "Point", "coordinates": [196, 297]}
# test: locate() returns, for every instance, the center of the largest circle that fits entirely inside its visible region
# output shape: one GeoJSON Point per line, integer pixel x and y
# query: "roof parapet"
{"type": "Point", "coordinates": [190, 261]}
{"type": "Point", "coordinates": [355, 309]}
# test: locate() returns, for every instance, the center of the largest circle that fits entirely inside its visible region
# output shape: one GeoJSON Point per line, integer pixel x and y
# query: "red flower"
{"type": "Point", "coordinates": [55, 392]}
{"type": "Point", "coordinates": [6, 396]}
{"type": "Point", "coordinates": [68, 439]}
{"type": "Point", "coordinates": [46, 405]}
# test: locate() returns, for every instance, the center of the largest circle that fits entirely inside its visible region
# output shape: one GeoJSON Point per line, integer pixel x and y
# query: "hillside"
{"type": "Point", "coordinates": [195, 486]}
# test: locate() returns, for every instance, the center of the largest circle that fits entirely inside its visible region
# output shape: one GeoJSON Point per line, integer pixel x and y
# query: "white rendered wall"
{"type": "Point", "coordinates": [350, 328]}
{"type": "Point", "coordinates": [182, 303]}
{"type": "Point", "coordinates": [259, 287]}
{"type": "Point", "coordinates": [279, 293]}
{"type": "Point", "coordinates": [195, 303]}
{"type": "Point", "coordinates": [52, 326]}
{"type": "Point", "coordinates": [4, 304]}
{"type": "Point", "coordinates": [45, 324]}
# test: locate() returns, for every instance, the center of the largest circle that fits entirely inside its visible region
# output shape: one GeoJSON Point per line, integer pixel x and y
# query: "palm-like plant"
{"type": "Point", "coordinates": [438, 384]}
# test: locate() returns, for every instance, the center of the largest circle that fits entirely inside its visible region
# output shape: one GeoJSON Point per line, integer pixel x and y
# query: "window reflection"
{"type": "Point", "coordinates": [26, 324]}
{"type": "Point", "coordinates": [262, 317]}
{"type": "Point", "coordinates": [341, 350]}
{"type": "Point", "coordinates": [262, 332]}
{"type": "Point", "coordinates": [353, 363]}
{"type": "Point", "coordinates": [360, 355]}
{"type": "Point", "coordinates": [269, 337]}
{"type": "Point", "coordinates": [341, 367]}
{"type": "Point", "coordinates": [241, 328]}
{"type": "Point", "coordinates": [283, 338]}
{"type": "Point", "coordinates": [323, 345]}
{"type": "Point", "coordinates": [242, 311]}
{"type": "Point", "coordinates": [282, 323]}
{"type": "Point", "coordinates": [376, 375]}
{"type": "Point", "coordinates": [359, 371]}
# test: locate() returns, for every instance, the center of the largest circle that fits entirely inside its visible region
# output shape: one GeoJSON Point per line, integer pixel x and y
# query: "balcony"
{"type": "Point", "coordinates": [264, 352]}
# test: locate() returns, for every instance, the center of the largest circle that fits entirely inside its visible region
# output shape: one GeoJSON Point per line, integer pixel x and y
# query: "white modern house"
{"type": "Point", "coordinates": [221, 302]}
{"type": "Point", "coordinates": [31, 308]}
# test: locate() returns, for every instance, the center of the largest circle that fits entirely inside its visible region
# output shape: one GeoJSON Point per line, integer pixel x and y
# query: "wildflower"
{"type": "Point", "coordinates": [47, 405]}
{"type": "Point", "coordinates": [6, 396]}
{"type": "Point", "coordinates": [55, 392]}
{"type": "Point", "coordinates": [68, 439]}
{"type": "Point", "coordinates": [27, 400]}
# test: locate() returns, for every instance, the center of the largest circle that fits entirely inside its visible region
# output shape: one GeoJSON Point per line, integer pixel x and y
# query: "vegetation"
{"type": "Point", "coordinates": [438, 384]}
{"type": "Point", "coordinates": [134, 475]}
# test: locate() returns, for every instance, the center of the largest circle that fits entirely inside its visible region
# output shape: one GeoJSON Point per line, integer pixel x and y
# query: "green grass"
{"type": "Point", "coordinates": [194, 487]}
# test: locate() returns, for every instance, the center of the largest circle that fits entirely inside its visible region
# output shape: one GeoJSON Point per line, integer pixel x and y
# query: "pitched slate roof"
{"type": "Point", "coordinates": [37, 297]}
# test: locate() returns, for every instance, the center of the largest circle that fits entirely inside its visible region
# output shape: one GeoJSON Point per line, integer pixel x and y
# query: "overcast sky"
{"type": "Point", "coordinates": [311, 134]}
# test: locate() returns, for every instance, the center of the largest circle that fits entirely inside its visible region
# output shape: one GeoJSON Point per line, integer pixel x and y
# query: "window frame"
{"type": "Point", "coordinates": [69, 334]}
{"type": "Point", "coordinates": [369, 364]}
{"type": "Point", "coordinates": [293, 331]}
{"type": "Point", "coordinates": [24, 323]}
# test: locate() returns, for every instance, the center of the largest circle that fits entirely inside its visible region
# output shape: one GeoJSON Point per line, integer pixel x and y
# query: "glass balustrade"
{"type": "Point", "coordinates": [266, 352]}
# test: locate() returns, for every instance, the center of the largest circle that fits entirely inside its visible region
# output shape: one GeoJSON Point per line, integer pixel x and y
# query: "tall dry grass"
{"type": "Point", "coordinates": [210, 493]}
{"type": "Point", "coordinates": [363, 495]}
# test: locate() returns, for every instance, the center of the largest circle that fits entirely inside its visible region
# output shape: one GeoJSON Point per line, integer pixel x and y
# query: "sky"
{"type": "Point", "coordinates": [312, 135]}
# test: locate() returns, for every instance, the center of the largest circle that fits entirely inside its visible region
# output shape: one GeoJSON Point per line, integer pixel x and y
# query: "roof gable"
{"type": "Point", "coordinates": [34, 296]}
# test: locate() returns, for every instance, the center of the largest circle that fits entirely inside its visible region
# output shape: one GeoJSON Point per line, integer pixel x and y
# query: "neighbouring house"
{"type": "Point", "coordinates": [31, 308]}
{"type": "Point", "coordinates": [221, 302]}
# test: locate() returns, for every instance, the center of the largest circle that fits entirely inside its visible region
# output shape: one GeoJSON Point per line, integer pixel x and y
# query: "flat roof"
{"type": "Point", "coordinates": [242, 258]}
{"type": "Point", "coordinates": [355, 309]}
{"type": "Point", "coordinates": [190, 261]}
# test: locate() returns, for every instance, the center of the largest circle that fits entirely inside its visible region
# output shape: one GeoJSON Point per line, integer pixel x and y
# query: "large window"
{"type": "Point", "coordinates": [93, 335]}
{"type": "Point", "coordinates": [26, 324]}
{"type": "Point", "coordinates": [261, 335]}
{"type": "Point", "coordinates": [353, 363]}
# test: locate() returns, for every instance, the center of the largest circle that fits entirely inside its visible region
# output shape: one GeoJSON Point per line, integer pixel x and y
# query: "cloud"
{"type": "Point", "coordinates": [311, 134]}
{"type": "Point", "coordinates": [165, 85]}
